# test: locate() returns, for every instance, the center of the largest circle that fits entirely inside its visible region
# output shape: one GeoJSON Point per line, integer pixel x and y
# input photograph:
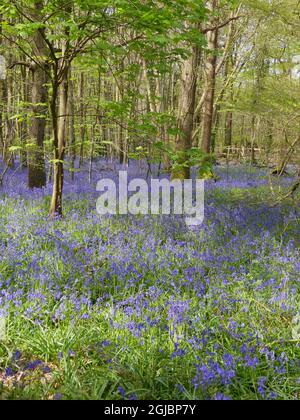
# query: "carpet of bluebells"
{"type": "Point", "coordinates": [143, 307]}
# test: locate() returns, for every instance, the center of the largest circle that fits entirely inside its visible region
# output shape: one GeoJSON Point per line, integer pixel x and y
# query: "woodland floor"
{"type": "Point", "coordinates": [143, 307]}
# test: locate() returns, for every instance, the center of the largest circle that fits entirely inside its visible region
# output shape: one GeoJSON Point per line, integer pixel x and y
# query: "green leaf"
{"type": "Point", "coordinates": [14, 148]}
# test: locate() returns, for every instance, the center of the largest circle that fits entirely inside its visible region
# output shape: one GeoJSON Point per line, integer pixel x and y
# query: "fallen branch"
{"type": "Point", "coordinates": [281, 169]}
{"type": "Point", "coordinates": [291, 191]}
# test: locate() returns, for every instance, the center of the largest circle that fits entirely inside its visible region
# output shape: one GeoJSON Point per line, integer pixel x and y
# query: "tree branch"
{"type": "Point", "coordinates": [220, 25]}
{"type": "Point", "coordinates": [20, 63]}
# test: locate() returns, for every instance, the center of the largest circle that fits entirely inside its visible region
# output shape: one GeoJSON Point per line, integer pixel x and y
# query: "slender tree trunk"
{"type": "Point", "coordinates": [216, 122]}
{"type": "Point", "coordinates": [269, 140]}
{"type": "Point", "coordinates": [82, 123]}
{"type": "Point", "coordinates": [2, 91]}
{"type": "Point", "coordinates": [92, 153]}
{"type": "Point", "coordinates": [209, 95]}
{"type": "Point", "coordinates": [23, 123]}
{"type": "Point", "coordinates": [120, 132]}
{"type": "Point", "coordinates": [60, 92]}
{"type": "Point", "coordinates": [9, 123]}
{"type": "Point", "coordinates": [228, 128]}
{"type": "Point", "coordinates": [229, 114]}
{"type": "Point", "coordinates": [255, 128]}
{"type": "Point", "coordinates": [151, 90]}
{"type": "Point", "coordinates": [72, 146]}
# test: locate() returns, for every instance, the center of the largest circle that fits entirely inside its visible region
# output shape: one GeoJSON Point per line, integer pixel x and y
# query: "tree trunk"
{"type": "Point", "coordinates": [92, 153]}
{"type": "Point", "coordinates": [72, 145]}
{"type": "Point", "coordinates": [185, 122]}
{"type": "Point", "coordinates": [82, 123]}
{"type": "Point", "coordinates": [9, 123]}
{"type": "Point", "coordinates": [2, 91]}
{"type": "Point", "coordinates": [228, 128]}
{"type": "Point", "coordinates": [216, 122]}
{"type": "Point", "coordinates": [209, 95]}
{"type": "Point", "coordinates": [60, 92]}
{"type": "Point", "coordinates": [36, 159]}
{"type": "Point", "coordinates": [23, 123]}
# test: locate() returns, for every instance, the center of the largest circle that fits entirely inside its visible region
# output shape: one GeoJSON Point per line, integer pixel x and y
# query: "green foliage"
{"type": "Point", "coordinates": [15, 148]}
{"type": "Point", "coordinates": [193, 157]}
{"type": "Point", "coordinates": [56, 161]}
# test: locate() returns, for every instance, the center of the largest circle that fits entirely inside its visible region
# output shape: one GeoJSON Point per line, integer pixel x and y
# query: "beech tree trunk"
{"type": "Point", "coordinates": [185, 121]}
{"type": "Point", "coordinates": [60, 93]}
{"type": "Point", "coordinates": [36, 160]}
